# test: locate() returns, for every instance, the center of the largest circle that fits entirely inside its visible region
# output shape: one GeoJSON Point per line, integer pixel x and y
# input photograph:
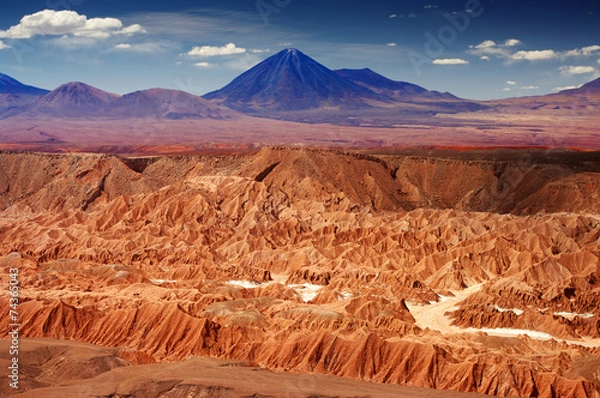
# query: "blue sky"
{"type": "Point", "coordinates": [479, 49]}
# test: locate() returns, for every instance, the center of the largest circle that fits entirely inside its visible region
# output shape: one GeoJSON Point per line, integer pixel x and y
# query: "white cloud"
{"type": "Point", "coordinates": [46, 22]}
{"type": "Point", "coordinates": [505, 50]}
{"type": "Point", "coordinates": [450, 61]}
{"type": "Point", "coordinates": [576, 70]}
{"type": "Point", "coordinates": [485, 44]}
{"type": "Point", "coordinates": [392, 44]}
{"type": "Point", "coordinates": [210, 51]}
{"type": "Point", "coordinates": [98, 27]}
{"type": "Point", "coordinates": [511, 82]}
{"type": "Point", "coordinates": [430, 6]}
{"type": "Point", "coordinates": [506, 89]}
{"type": "Point", "coordinates": [393, 16]}
{"type": "Point", "coordinates": [535, 55]}
{"type": "Point", "coordinates": [3, 46]}
{"type": "Point", "coordinates": [530, 88]}
{"type": "Point", "coordinates": [573, 53]}
{"type": "Point", "coordinates": [566, 88]}
{"type": "Point", "coordinates": [60, 23]}
{"type": "Point", "coordinates": [491, 48]}
{"type": "Point", "coordinates": [484, 58]}
{"type": "Point", "coordinates": [131, 30]}
{"type": "Point", "coordinates": [259, 51]}
{"type": "Point", "coordinates": [583, 52]}
{"type": "Point", "coordinates": [590, 50]}
{"type": "Point", "coordinates": [512, 42]}
{"type": "Point", "coordinates": [150, 47]}
{"type": "Point", "coordinates": [203, 65]}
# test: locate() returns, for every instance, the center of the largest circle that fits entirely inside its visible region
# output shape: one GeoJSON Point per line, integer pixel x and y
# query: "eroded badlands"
{"type": "Point", "coordinates": [467, 275]}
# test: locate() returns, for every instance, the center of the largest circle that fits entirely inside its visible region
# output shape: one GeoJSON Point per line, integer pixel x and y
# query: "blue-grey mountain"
{"type": "Point", "coordinates": [291, 81]}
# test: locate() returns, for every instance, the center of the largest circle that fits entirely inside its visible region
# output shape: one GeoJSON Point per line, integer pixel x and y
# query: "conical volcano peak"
{"type": "Point", "coordinates": [290, 80]}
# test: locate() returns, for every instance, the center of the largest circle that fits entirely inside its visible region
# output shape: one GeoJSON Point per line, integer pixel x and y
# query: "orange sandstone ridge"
{"type": "Point", "coordinates": [472, 275]}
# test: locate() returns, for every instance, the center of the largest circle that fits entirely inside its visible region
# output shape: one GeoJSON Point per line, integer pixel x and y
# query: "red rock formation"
{"type": "Point", "coordinates": [293, 262]}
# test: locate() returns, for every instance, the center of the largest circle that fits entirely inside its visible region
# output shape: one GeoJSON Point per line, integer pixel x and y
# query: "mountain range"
{"type": "Point", "coordinates": [288, 85]}
{"type": "Point", "coordinates": [76, 100]}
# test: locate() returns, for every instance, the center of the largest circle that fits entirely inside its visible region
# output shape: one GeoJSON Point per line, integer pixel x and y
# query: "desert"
{"type": "Point", "coordinates": [376, 267]}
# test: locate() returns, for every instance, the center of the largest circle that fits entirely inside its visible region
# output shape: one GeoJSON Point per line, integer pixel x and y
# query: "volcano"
{"type": "Point", "coordinates": [290, 81]}
{"type": "Point", "coordinates": [73, 99]}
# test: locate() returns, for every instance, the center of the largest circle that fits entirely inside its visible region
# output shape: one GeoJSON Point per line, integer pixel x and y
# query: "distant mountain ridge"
{"type": "Point", "coordinates": [77, 100]}
{"type": "Point", "coordinates": [380, 84]}
{"type": "Point", "coordinates": [288, 85]}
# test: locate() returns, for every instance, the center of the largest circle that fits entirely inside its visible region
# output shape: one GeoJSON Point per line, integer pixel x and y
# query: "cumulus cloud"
{"type": "Point", "coordinates": [450, 61]}
{"type": "Point", "coordinates": [535, 55]}
{"type": "Point", "coordinates": [511, 83]}
{"type": "Point", "coordinates": [210, 51]}
{"type": "Point", "coordinates": [576, 70]}
{"type": "Point", "coordinates": [203, 65]}
{"type": "Point", "coordinates": [590, 50]}
{"type": "Point", "coordinates": [123, 46]}
{"type": "Point", "coordinates": [489, 48]}
{"type": "Point", "coordinates": [529, 88]}
{"type": "Point", "coordinates": [393, 16]}
{"type": "Point", "coordinates": [485, 44]}
{"type": "Point", "coordinates": [583, 52]}
{"type": "Point", "coordinates": [512, 42]}
{"type": "Point", "coordinates": [3, 45]}
{"type": "Point", "coordinates": [60, 23]}
{"type": "Point", "coordinates": [391, 44]}
{"type": "Point", "coordinates": [506, 50]}
{"type": "Point", "coordinates": [506, 89]}
{"type": "Point", "coordinates": [484, 58]}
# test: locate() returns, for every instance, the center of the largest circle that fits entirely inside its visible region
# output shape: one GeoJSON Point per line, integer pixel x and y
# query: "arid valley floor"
{"type": "Point", "coordinates": [296, 272]}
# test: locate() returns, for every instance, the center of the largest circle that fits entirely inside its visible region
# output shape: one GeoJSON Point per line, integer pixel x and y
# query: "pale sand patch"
{"type": "Point", "coordinates": [433, 317]}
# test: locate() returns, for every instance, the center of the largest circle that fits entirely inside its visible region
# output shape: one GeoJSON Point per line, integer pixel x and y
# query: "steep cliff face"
{"type": "Point", "coordinates": [312, 261]}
